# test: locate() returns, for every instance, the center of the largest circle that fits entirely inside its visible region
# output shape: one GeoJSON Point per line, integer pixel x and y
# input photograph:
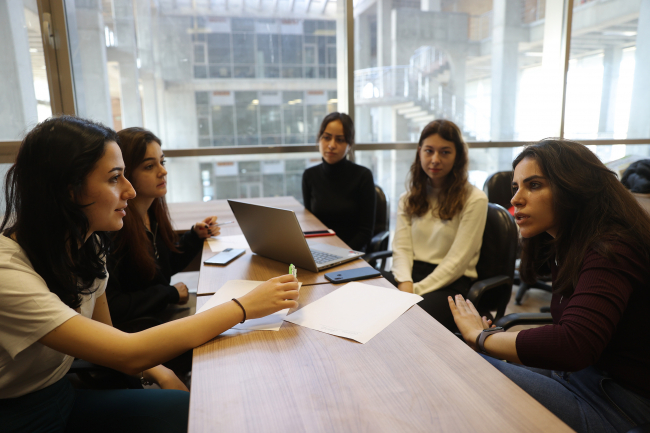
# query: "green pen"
{"type": "Point", "coordinates": [293, 271]}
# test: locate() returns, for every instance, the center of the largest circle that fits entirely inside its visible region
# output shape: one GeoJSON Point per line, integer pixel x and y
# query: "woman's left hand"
{"type": "Point", "coordinates": [469, 321]}
{"type": "Point", "coordinates": [206, 228]}
{"type": "Point", "coordinates": [165, 378]}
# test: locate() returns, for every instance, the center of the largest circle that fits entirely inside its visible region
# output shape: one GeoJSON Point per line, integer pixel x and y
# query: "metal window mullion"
{"type": "Point", "coordinates": [566, 54]}
{"type": "Point", "coordinates": [57, 56]}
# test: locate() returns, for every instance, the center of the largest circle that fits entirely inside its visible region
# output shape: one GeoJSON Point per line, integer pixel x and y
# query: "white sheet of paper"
{"type": "Point", "coordinates": [220, 243]}
{"type": "Point", "coordinates": [236, 289]}
{"type": "Point", "coordinates": [356, 311]}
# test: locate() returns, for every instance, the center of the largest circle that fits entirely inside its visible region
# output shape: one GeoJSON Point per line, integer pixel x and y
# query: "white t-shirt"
{"type": "Point", "coordinates": [29, 311]}
{"type": "Point", "coordinates": [453, 245]}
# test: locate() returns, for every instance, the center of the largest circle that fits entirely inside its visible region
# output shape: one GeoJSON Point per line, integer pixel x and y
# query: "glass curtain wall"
{"type": "Point", "coordinates": [238, 73]}
{"type": "Point", "coordinates": [608, 85]}
{"type": "Point", "coordinates": [494, 67]}
{"type": "Point", "coordinates": [209, 74]}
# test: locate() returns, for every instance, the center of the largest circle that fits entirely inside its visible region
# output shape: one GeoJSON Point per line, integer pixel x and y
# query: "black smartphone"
{"type": "Point", "coordinates": [225, 256]}
{"type": "Point", "coordinates": [352, 275]}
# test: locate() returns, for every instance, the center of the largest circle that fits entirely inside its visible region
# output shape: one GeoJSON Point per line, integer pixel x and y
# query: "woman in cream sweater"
{"type": "Point", "coordinates": [440, 223]}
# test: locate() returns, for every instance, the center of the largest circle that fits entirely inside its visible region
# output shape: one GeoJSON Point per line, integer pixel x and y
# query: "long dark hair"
{"type": "Point", "coordinates": [131, 242]}
{"type": "Point", "coordinates": [592, 209]}
{"type": "Point", "coordinates": [51, 168]}
{"type": "Point", "coordinates": [454, 192]}
{"type": "Point", "coordinates": [346, 121]}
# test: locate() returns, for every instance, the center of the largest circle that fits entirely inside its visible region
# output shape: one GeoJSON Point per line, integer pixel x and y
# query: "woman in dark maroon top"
{"type": "Point", "coordinates": [591, 368]}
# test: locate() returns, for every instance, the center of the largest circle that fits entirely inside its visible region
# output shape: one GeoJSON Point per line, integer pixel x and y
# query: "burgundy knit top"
{"type": "Point", "coordinates": [603, 323]}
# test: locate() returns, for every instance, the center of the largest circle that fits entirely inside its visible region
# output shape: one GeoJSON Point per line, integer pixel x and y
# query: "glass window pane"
{"type": "Point", "coordinates": [268, 49]}
{"type": "Point", "coordinates": [243, 46]}
{"type": "Point", "coordinates": [270, 120]}
{"type": "Point", "coordinates": [219, 48]}
{"type": "Point", "coordinates": [153, 64]}
{"type": "Point", "coordinates": [24, 91]}
{"type": "Point", "coordinates": [246, 105]}
{"type": "Point", "coordinates": [199, 53]}
{"type": "Point", "coordinates": [608, 84]}
{"type": "Point", "coordinates": [237, 176]}
{"type": "Point", "coordinates": [477, 63]}
{"type": "Point", "coordinates": [291, 49]}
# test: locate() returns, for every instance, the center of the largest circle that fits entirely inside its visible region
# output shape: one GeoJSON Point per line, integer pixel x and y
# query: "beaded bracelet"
{"type": "Point", "coordinates": [242, 308]}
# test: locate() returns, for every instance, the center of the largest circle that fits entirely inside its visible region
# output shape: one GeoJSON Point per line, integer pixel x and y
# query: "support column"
{"type": "Point", "coordinates": [384, 32]}
{"type": "Point", "coordinates": [639, 125]}
{"type": "Point", "coordinates": [17, 98]}
{"type": "Point", "coordinates": [128, 59]}
{"type": "Point", "coordinates": [457, 104]}
{"type": "Point", "coordinates": [553, 61]}
{"type": "Point", "coordinates": [90, 69]}
{"type": "Point", "coordinates": [430, 5]}
{"type": "Point", "coordinates": [611, 68]}
{"type": "Point", "coordinates": [362, 38]}
{"type": "Point", "coordinates": [506, 31]}
{"type": "Point", "coordinates": [400, 126]}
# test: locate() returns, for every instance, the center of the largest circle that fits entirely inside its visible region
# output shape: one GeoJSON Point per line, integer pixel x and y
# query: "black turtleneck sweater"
{"type": "Point", "coordinates": [342, 196]}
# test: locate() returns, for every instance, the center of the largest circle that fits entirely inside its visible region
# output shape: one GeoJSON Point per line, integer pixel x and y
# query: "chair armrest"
{"type": "Point", "coordinates": [479, 288]}
{"type": "Point", "coordinates": [515, 319]}
{"type": "Point", "coordinates": [373, 257]}
{"type": "Point", "coordinates": [377, 240]}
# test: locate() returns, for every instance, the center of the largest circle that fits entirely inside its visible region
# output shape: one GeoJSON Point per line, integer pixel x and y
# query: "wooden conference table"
{"type": "Point", "coordinates": [250, 266]}
{"type": "Point", "coordinates": [414, 376]}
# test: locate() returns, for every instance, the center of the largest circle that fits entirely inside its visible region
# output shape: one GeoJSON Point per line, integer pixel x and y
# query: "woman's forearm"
{"type": "Point", "coordinates": [502, 346]}
{"type": "Point", "coordinates": [102, 344]}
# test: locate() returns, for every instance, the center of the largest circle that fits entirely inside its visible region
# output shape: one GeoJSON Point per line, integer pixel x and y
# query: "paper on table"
{"type": "Point", "coordinates": [236, 289]}
{"type": "Point", "coordinates": [220, 243]}
{"type": "Point", "coordinates": [356, 311]}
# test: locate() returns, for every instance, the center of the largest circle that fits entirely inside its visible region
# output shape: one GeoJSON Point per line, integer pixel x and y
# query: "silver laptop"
{"type": "Point", "coordinates": [276, 234]}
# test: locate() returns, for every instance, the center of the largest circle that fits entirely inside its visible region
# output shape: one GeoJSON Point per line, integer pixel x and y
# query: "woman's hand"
{"type": "Point", "coordinates": [406, 286]}
{"type": "Point", "coordinates": [207, 227]}
{"type": "Point", "coordinates": [183, 293]}
{"type": "Point", "coordinates": [165, 378]}
{"type": "Point", "coordinates": [469, 321]}
{"type": "Point", "coordinates": [274, 295]}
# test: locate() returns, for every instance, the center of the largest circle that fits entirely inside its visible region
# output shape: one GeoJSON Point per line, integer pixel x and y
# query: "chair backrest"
{"type": "Point", "coordinates": [382, 215]}
{"type": "Point", "coordinates": [498, 255]}
{"type": "Point", "coordinates": [498, 188]}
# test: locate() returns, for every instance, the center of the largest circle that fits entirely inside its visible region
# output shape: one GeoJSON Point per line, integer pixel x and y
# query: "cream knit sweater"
{"type": "Point", "coordinates": [453, 245]}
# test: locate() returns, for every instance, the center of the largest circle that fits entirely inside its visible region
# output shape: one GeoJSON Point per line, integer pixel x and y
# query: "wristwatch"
{"type": "Point", "coordinates": [143, 381]}
{"type": "Point", "coordinates": [480, 338]}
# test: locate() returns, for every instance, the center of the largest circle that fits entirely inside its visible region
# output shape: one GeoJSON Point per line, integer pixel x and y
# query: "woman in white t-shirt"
{"type": "Point", "coordinates": [65, 191]}
{"type": "Point", "coordinates": [440, 223]}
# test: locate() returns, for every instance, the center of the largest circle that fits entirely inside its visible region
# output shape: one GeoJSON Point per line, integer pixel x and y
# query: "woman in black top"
{"type": "Point", "coordinates": [339, 192]}
{"type": "Point", "coordinates": [146, 251]}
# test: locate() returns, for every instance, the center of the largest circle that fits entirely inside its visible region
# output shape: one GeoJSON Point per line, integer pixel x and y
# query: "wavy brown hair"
{"type": "Point", "coordinates": [131, 242]}
{"type": "Point", "coordinates": [454, 192]}
{"type": "Point", "coordinates": [592, 209]}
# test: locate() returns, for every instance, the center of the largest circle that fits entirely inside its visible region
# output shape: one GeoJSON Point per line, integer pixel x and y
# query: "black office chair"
{"type": "Point", "coordinates": [381, 231]}
{"type": "Point", "coordinates": [496, 264]}
{"type": "Point", "coordinates": [498, 188]}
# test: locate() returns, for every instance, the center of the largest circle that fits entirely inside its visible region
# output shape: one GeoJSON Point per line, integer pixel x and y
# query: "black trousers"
{"type": "Point", "coordinates": [435, 303]}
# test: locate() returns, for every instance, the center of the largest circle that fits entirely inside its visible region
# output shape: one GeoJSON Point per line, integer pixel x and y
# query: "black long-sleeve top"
{"type": "Point", "coordinates": [130, 295]}
{"type": "Point", "coordinates": [342, 196]}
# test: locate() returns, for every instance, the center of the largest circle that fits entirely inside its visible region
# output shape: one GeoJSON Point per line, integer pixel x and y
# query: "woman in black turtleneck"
{"type": "Point", "coordinates": [339, 192]}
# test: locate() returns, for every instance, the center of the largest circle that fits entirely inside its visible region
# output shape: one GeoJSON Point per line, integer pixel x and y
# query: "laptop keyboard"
{"type": "Point", "coordinates": [321, 257]}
